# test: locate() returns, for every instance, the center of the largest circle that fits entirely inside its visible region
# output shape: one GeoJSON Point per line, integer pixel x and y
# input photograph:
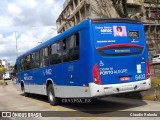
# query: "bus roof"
{"type": "Point", "coordinates": [115, 20]}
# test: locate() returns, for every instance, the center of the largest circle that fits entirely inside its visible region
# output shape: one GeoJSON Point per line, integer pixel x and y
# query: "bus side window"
{"type": "Point", "coordinates": [64, 44]}
{"type": "Point", "coordinates": [25, 63]}
{"type": "Point", "coordinates": [65, 52]}
{"type": "Point", "coordinates": [71, 51]}
{"type": "Point", "coordinates": [28, 62]}
{"type": "Point", "coordinates": [41, 54]}
{"type": "Point", "coordinates": [32, 60]}
{"type": "Point", "coordinates": [46, 60]}
{"type": "Point", "coordinates": [75, 49]}
{"type": "Point", "coordinates": [55, 56]}
{"type": "Point", "coordinates": [22, 64]}
{"type": "Point", "coordinates": [37, 59]}
{"type": "Point", "coordinates": [77, 39]}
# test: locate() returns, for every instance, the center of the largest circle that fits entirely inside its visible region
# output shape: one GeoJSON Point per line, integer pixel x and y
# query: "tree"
{"type": "Point", "coordinates": [121, 8]}
{"type": "Point", "coordinates": [124, 6]}
{"type": "Point", "coordinates": [2, 71]}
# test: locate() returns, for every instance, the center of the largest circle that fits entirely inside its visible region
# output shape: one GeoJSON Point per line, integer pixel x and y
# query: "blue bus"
{"type": "Point", "coordinates": [97, 57]}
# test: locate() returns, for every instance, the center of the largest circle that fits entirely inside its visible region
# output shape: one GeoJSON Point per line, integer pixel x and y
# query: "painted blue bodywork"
{"type": "Point", "coordinates": [79, 72]}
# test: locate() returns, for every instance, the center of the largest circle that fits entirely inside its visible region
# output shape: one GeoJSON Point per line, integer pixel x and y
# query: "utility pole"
{"type": "Point", "coordinates": [16, 44]}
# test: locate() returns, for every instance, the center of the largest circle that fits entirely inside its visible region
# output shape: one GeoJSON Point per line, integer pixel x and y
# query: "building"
{"type": "Point", "coordinates": [75, 11]}
{"type": "Point", "coordinates": [7, 66]}
{"type": "Point", "coordinates": [152, 26]}
{"type": "Point", "coordinates": [149, 12]}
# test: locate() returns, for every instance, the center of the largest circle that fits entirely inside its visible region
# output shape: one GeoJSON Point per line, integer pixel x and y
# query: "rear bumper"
{"type": "Point", "coordinates": [101, 90]}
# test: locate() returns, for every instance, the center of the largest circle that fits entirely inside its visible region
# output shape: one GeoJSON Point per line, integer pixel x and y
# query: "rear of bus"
{"type": "Point", "coordinates": [120, 57]}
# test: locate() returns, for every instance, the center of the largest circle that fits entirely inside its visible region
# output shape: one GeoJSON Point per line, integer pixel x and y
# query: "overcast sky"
{"type": "Point", "coordinates": [30, 21]}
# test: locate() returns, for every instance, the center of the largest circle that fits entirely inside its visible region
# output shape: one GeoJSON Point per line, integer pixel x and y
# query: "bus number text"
{"type": "Point", "coordinates": [140, 77]}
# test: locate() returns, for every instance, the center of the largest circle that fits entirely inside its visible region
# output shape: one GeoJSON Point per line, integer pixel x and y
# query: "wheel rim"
{"type": "Point", "coordinates": [51, 97]}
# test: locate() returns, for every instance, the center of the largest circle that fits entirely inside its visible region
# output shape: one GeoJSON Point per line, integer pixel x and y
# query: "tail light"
{"type": "Point", "coordinates": [147, 70]}
{"type": "Point", "coordinates": [96, 74]}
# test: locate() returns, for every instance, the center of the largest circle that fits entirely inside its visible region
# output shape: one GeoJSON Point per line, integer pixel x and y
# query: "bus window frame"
{"type": "Point", "coordinates": [79, 39]}
{"type": "Point", "coordinates": [42, 53]}
{"type": "Point", "coordinates": [61, 52]}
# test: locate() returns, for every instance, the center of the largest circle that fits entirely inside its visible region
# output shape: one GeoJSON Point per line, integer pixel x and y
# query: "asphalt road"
{"type": "Point", "coordinates": [101, 109]}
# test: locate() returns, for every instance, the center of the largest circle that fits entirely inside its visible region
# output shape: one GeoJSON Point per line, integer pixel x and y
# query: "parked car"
{"type": "Point", "coordinates": [156, 58]}
{"type": "Point", "coordinates": [7, 76]}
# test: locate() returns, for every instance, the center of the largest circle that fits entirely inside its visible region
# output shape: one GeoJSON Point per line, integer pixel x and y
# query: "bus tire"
{"type": "Point", "coordinates": [51, 95]}
{"type": "Point", "coordinates": [23, 90]}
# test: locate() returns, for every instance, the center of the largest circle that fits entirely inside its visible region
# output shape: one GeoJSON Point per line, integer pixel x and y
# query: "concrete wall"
{"type": "Point", "coordinates": [155, 70]}
{"type": "Point", "coordinates": [102, 9]}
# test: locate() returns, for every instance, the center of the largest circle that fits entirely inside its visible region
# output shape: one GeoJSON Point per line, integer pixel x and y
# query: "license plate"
{"type": "Point", "coordinates": [124, 78]}
{"type": "Point", "coordinates": [126, 87]}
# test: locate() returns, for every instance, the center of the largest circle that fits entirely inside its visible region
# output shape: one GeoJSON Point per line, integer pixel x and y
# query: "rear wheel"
{"type": "Point", "coordinates": [51, 95]}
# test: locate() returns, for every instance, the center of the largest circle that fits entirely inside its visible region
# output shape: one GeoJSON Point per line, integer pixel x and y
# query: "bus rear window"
{"type": "Point", "coordinates": [134, 34]}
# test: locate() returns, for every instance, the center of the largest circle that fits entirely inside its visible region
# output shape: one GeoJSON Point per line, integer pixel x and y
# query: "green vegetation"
{"type": "Point", "coordinates": [149, 97]}
{"type": "Point", "coordinates": [155, 81]}
{"type": "Point", "coordinates": [152, 96]}
{"type": "Point", "coordinates": [119, 10]}
{"type": "Point", "coordinates": [120, 7]}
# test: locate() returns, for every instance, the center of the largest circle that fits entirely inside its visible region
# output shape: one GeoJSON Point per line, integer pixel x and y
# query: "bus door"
{"type": "Point", "coordinates": [120, 50]}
